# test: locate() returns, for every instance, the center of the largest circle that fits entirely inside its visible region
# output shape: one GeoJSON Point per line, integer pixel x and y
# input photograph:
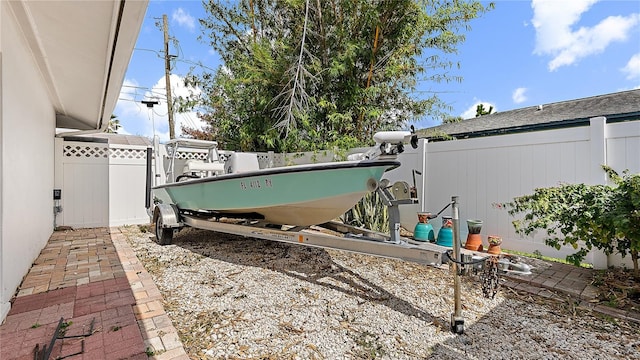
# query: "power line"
{"type": "Point", "coordinates": [153, 51]}
{"type": "Point", "coordinates": [132, 100]}
{"type": "Point", "coordinates": [136, 87]}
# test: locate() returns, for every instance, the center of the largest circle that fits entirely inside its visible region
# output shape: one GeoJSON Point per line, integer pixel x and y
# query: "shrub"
{"type": "Point", "coordinates": [585, 216]}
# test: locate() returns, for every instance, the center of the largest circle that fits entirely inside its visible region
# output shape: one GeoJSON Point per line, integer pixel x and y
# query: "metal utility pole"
{"type": "Point", "coordinates": [457, 321]}
{"type": "Point", "coordinates": [167, 69]}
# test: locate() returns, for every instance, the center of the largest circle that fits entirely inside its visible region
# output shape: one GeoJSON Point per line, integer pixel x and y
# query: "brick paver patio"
{"type": "Point", "coordinates": [85, 276]}
{"type": "Point", "coordinates": [561, 280]}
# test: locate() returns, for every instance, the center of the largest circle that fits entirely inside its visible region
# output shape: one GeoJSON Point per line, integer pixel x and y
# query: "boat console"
{"type": "Point", "coordinates": [241, 162]}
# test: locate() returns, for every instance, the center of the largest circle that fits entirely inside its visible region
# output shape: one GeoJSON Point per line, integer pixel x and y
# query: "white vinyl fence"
{"type": "Point", "coordinates": [491, 170]}
{"type": "Point", "coordinates": [102, 184]}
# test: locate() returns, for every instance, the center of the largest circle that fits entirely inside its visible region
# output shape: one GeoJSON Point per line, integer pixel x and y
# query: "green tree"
{"type": "Point", "coordinates": [308, 75]}
{"type": "Point", "coordinates": [114, 125]}
{"type": "Point", "coordinates": [450, 119]}
{"type": "Point", "coordinates": [585, 216]}
{"type": "Point", "coordinates": [481, 111]}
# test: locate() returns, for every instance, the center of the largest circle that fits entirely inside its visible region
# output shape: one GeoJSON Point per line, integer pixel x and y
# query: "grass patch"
{"type": "Point", "coordinates": [537, 255]}
{"type": "Point", "coordinates": [63, 327]}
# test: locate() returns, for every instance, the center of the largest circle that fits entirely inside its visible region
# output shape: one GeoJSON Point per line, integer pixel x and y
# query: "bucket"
{"type": "Point", "coordinates": [424, 232]}
{"type": "Point", "coordinates": [445, 237]}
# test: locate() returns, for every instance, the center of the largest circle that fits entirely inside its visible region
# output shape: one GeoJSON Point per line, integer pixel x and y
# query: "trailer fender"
{"type": "Point", "coordinates": [169, 214]}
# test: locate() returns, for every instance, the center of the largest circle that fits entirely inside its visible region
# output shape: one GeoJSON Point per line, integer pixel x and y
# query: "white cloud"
{"type": "Point", "coordinates": [553, 21]}
{"type": "Point", "coordinates": [632, 69]}
{"type": "Point", "coordinates": [518, 95]}
{"type": "Point", "coordinates": [137, 119]}
{"type": "Point", "coordinates": [471, 111]}
{"type": "Point", "coordinates": [184, 19]}
{"type": "Point", "coordinates": [128, 108]}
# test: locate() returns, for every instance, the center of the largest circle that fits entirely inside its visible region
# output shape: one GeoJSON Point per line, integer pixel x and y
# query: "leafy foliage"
{"type": "Point", "coordinates": [329, 79]}
{"type": "Point", "coordinates": [114, 125]}
{"type": "Point", "coordinates": [452, 119]}
{"type": "Point", "coordinates": [481, 111]}
{"type": "Point", "coordinates": [585, 216]}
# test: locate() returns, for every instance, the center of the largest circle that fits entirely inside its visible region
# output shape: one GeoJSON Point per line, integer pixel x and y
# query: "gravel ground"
{"type": "Point", "coordinates": [231, 297]}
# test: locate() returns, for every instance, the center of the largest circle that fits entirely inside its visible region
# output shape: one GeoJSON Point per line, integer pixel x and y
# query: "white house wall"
{"type": "Point", "coordinates": [27, 130]}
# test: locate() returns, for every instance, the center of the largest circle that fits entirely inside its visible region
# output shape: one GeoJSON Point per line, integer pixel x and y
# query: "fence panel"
{"type": "Point", "coordinates": [102, 185]}
{"type": "Point", "coordinates": [623, 153]}
{"type": "Point", "coordinates": [127, 184]}
{"type": "Point", "coordinates": [85, 185]}
{"type": "Point", "coordinates": [485, 172]}
{"type": "Point", "coordinates": [623, 146]}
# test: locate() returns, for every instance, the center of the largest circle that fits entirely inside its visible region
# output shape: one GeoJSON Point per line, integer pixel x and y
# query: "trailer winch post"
{"type": "Point", "coordinates": [457, 321]}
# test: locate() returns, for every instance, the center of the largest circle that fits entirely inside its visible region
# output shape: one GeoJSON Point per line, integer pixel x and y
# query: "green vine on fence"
{"type": "Point", "coordinates": [605, 217]}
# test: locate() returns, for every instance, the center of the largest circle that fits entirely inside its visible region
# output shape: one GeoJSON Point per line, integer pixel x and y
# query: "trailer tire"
{"type": "Point", "coordinates": [164, 235]}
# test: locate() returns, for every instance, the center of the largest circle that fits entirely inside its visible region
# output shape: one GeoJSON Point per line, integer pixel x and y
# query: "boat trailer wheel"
{"type": "Point", "coordinates": [164, 235]}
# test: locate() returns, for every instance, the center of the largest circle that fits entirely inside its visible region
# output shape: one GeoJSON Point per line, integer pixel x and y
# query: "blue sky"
{"type": "Point", "coordinates": [523, 53]}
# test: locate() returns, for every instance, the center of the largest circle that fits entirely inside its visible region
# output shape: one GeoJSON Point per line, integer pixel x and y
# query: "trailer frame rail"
{"type": "Point", "coordinates": [351, 239]}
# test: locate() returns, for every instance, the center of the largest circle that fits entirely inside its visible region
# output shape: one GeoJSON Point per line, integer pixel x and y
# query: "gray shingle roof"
{"type": "Point", "coordinates": [621, 105]}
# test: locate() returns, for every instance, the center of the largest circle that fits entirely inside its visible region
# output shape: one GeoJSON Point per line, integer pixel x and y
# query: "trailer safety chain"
{"type": "Point", "coordinates": [490, 278]}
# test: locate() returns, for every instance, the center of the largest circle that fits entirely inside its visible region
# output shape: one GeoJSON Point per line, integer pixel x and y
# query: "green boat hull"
{"type": "Point", "coordinates": [298, 195]}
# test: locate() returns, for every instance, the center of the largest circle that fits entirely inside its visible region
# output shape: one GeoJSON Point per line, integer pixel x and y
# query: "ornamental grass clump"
{"type": "Point", "coordinates": [369, 213]}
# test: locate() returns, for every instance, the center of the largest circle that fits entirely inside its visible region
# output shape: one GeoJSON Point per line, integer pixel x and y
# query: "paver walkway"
{"type": "Point", "coordinates": [560, 281]}
{"type": "Point", "coordinates": [85, 276]}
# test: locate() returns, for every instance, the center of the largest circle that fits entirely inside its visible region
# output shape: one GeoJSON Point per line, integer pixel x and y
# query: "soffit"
{"type": "Point", "coordinates": [82, 49]}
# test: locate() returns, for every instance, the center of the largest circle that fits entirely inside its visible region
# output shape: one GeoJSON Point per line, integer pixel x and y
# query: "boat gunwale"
{"type": "Point", "coordinates": [392, 164]}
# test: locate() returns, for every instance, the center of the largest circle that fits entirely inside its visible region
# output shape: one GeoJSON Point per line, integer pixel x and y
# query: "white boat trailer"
{"type": "Point", "coordinates": [332, 235]}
